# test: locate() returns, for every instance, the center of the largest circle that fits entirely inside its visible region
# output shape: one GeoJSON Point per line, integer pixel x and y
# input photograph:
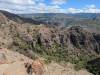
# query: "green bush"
{"type": "Point", "coordinates": [93, 66]}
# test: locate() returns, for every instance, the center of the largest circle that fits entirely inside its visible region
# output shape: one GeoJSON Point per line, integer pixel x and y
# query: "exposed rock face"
{"type": "Point", "coordinates": [74, 37]}
{"type": "Point", "coordinates": [18, 64]}
{"type": "Point", "coordinates": [56, 69]}
{"type": "Point", "coordinates": [25, 38]}
{"type": "Point", "coordinates": [80, 38]}
{"type": "Point", "coordinates": [28, 39]}
{"type": "Point", "coordinates": [13, 63]}
{"type": "Point", "coordinates": [38, 67]}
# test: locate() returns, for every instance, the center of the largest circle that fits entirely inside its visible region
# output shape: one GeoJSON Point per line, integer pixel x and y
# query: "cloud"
{"type": "Point", "coordinates": [43, 8]}
{"type": "Point", "coordinates": [18, 2]}
{"type": "Point", "coordinates": [59, 2]}
{"type": "Point", "coordinates": [87, 9]}
{"type": "Point", "coordinates": [39, 6]}
{"type": "Point", "coordinates": [53, 9]}
{"type": "Point", "coordinates": [28, 6]}
{"type": "Point", "coordinates": [91, 9]}
{"type": "Point", "coordinates": [17, 6]}
{"type": "Point", "coordinates": [74, 10]}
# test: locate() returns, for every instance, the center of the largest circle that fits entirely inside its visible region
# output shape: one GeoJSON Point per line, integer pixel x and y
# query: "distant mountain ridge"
{"type": "Point", "coordinates": [81, 15]}
{"type": "Point", "coordinates": [62, 19]}
{"type": "Point", "coordinates": [56, 19]}
{"type": "Point", "coordinates": [16, 18]}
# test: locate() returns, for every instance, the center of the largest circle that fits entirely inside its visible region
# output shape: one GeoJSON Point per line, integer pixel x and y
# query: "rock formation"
{"type": "Point", "coordinates": [74, 44]}
{"type": "Point", "coordinates": [18, 64]}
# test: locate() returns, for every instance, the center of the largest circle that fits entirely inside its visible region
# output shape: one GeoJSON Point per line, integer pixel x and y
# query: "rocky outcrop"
{"type": "Point", "coordinates": [73, 37]}
{"type": "Point", "coordinates": [13, 63]}
{"type": "Point", "coordinates": [75, 44]}
{"type": "Point", "coordinates": [83, 39]}
{"type": "Point", "coordinates": [57, 69]}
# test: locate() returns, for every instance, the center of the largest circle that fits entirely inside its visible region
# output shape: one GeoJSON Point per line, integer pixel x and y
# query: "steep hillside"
{"type": "Point", "coordinates": [75, 44]}
{"type": "Point", "coordinates": [6, 16]}
{"type": "Point", "coordinates": [13, 63]}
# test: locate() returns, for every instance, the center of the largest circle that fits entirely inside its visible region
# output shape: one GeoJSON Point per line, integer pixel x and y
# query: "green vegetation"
{"type": "Point", "coordinates": [93, 66]}
{"type": "Point", "coordinates": [57, 53]}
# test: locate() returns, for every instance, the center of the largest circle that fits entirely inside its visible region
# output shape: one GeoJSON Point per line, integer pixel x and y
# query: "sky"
{"type": "Point", "coordinates": [50, 6]}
